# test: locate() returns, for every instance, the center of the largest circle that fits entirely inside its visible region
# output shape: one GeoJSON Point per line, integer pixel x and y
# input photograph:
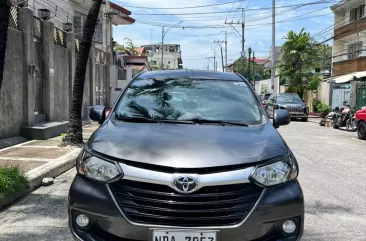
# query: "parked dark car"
{"type": "Point", "coordinates": [186, 156]}
{"type": "Point", "coordinates": [263, 98]}
{"type": "Point", "coordinates": [288, 101]}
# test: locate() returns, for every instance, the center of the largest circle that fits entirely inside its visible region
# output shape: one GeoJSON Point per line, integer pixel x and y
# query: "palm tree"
{"type": "Point", "coordinates": [4, 24]}
{"type": "Point", "coordinates": [74, 134]}
{"type": "Point", "coordinates": [161, 113]}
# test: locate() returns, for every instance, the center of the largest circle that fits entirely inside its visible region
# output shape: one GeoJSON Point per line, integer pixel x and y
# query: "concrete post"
{"type": "Point", "coordinates": [26, 26]}
{"type": "Point", "coordinates": [70, 41]}
{"type": "Point", "coordinates": [48, 67]}
{"type": "Point", "coordinates": [353, 95]}
{"type": "Point", "coordinates": [331, 87]}
{"type": "Point", "coordinates": [92, 76]}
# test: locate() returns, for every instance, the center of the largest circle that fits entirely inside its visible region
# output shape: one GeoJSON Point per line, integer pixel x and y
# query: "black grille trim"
{"type": "Point", "coordinates": [157, 204]}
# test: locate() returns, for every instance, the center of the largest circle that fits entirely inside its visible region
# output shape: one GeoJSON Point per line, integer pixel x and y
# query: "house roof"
{"type": "Point", "coordinates": [119, 8]}
{"type": "Point", "coordinates": [255, 60]}
{"type": "Point", "coordinates": [140, 50]}
{"type": "Point", "coordinates": [259, 60]}
{"type": "Point", "coordinates": [139, 67]}
{"type": "Point", "coordinates": [122, 10]}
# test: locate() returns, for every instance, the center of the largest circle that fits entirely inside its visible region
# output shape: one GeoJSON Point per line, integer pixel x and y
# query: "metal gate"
{"type": "Point", "coordinates": [38, 108]}
{"type": "Point", "coordinates": [101, 84]}
{"type": "Point", "coordinates": [101, 76]}
{"type": "Point", "coordinates": [361, 96]}
{"type": "Point", "coordinates": [340, 96]}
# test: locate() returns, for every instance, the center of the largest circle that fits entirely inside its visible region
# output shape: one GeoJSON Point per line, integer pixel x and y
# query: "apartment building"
{"type": "Point", "coordinates": [172, 55]}
{"type": "Point", "coordinates": [349, 55]}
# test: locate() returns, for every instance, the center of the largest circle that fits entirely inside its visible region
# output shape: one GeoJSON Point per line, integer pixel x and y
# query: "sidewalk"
{"type": "Point", "coordinates": [43, 158]}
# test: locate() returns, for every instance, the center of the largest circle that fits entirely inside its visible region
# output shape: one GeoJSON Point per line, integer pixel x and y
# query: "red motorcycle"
{"type": "Point", "coordinates": [361, 123]}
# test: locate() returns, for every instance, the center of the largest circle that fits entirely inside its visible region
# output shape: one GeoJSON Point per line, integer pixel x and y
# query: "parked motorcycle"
{"type": "Point", "coordinates": [351, 124]}
{"type": "Point", "coordinates": [345, 117]}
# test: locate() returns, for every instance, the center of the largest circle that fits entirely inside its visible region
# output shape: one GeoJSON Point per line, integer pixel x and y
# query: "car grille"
{"type": "Point", "coordinates": [161, 205]}
{"type": "Point", "coordinates": [295, 108]}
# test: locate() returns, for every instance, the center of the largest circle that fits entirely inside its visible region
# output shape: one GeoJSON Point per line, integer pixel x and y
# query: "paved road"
{"type": "Point", "coordinates": [332, 170]}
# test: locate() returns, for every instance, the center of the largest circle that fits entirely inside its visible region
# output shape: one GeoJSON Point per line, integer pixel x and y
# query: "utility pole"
{"type": "Point", "coordinates": [273, 72]}
{"type": "Point", "coordinates": [215, 60]}
{"type": "Point", "coordinates": [225, 51]}
{"type": "Point", "coordinates": [253, 69]}
{"type": "Point", "coordinates": [162, 48]}
{"type": "Point", "coordinates": [249, 55]}
{"type": "Point", "coordinates": [225, 42]}
{"type": "Point", "coordinates": [222, 61]}
{"type": "Point", "coordinates": [208, 62]}
{"type": "Point", "coordinates": [242, 36]}
{"type": "Point", "coordinates": [162, 42]}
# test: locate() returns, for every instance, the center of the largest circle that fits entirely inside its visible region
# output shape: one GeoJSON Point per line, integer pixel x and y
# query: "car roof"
{"type": "Point", "coordinates": [199, 74]}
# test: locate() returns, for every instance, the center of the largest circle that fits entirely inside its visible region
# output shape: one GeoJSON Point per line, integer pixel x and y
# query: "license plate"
{"type": "Point", "coordinates": [184, 235]}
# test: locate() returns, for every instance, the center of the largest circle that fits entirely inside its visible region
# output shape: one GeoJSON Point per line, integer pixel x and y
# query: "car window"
{"type": "Point", "coordinates": [186, 99]}
{"type": "Point", "coordinates": [288, 98]}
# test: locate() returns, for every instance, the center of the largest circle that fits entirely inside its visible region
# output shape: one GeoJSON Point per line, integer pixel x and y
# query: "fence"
{"type": "Point", "coordinates": [339, 96]}
{"type": "Point", "coordinates": [37, 26]}
{"type": "Point", "coordinates": [60, 37]}
{"type": "Point", "coordinates": [361, 96]}
{"type": "Point", "coordinates": [14, 17]}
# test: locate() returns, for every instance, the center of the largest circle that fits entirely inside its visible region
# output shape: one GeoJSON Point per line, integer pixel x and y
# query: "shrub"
{"type": "Point", "coordinates": [319, 107]}
{"type": "Point", "coordinates": [12, 180]}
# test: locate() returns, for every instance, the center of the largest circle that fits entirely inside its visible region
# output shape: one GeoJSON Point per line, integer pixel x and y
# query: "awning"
{"type": "Point", "coordinates": [348, 77]}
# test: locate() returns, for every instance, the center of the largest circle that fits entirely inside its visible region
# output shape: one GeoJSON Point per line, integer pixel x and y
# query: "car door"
{"type": "Point", "coordinates": [270, 104]}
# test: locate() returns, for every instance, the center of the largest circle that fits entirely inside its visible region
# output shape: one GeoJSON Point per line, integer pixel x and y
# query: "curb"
{"type": "Point", "coordinates": [51, 169]}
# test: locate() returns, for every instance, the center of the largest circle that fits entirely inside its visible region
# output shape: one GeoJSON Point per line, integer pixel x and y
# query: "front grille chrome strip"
{"type": "Point", "coordinates": [214, 179]}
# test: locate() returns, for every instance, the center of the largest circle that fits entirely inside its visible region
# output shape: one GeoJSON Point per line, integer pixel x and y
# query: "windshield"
{"type": "Point", "coordinates": [288, 98]}
{"type": "Point", "coordinates": [186, 99]}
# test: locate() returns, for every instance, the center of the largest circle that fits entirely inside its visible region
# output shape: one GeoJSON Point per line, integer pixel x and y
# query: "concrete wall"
{"type": "Point", "coordinates": [27, 76]}
{"type": "Point", "coordinates": [11, 95]}
{"type": "Point", "coordinates": [61, 86]}
{"type": "Point", "coordinates": [260, 83]}
{"type": "Point", "coordinates": [323, 92]}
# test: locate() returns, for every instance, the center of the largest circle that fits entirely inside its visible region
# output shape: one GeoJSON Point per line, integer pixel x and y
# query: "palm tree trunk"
{"type": "Point", "coordinates": [4, 24]}
{"type": "Point", "coordinates": [74, 134]}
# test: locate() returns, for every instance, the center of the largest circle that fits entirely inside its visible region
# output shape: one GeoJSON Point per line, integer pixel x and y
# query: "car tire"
{"type": "Point", "coordinates": [361, 130]}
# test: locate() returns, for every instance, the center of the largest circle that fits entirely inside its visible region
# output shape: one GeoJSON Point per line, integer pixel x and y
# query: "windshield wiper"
{"type": "Point", "coordinates": [220, 122]}
{"type": "Point", "coordinates": [147, 120]}
{"type": "Point", "coordinates": [136, 119]}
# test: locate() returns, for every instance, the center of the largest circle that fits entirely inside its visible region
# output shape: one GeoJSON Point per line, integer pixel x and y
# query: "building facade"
{"type": "Point", "coordinates": [172, 55]}
{"type": "Point", "coordinates": [348, 54]}
{"type": "Point", "coordinates": [349, 37]}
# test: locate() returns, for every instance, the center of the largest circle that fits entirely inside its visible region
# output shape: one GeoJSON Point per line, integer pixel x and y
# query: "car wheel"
{"type": "Point", "coordinates": [362, 131]}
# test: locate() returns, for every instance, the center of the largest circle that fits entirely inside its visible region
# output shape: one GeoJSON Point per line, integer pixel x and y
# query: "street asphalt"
{"type": "Point", "coordinates": [332, 170]}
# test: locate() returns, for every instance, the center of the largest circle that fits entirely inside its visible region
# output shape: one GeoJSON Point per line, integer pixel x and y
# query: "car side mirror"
{"type": "Point", "coordinates": [98, 113]}
{"type": "Point", "coordinates": [281, 117]}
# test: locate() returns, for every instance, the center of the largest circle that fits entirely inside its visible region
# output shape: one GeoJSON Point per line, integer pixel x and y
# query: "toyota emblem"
{"type": "Point", "coordinates": [185, 184]}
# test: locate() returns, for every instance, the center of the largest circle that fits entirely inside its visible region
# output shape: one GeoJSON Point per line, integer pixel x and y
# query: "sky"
{"type": "Point", "coordinates": [203, 28]}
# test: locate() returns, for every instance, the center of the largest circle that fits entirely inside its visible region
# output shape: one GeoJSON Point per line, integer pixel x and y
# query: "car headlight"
{"type": "Point", "coordinates": [96, 168]}
{"type": "Point", "coordinates": [282, 171]}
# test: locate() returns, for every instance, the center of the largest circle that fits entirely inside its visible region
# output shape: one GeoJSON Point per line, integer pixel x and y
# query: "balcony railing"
{"type": "Point", "coordinates": [349, 66]}
{"type": "Point", "coordinates": [351, 28]}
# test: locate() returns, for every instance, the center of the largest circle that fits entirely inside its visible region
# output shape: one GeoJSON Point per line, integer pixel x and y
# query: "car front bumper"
{"type": "Point", "coordinates": [108, 222]}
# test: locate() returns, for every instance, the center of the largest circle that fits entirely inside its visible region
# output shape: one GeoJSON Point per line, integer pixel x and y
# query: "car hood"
{"type": "Point", "coordinates": [186, 145]}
